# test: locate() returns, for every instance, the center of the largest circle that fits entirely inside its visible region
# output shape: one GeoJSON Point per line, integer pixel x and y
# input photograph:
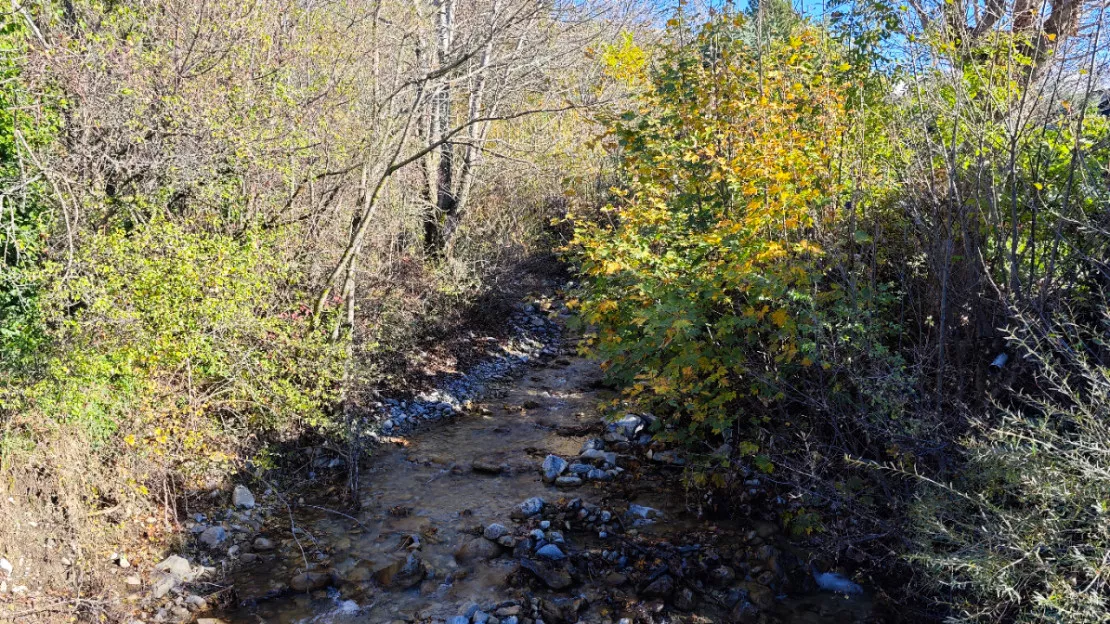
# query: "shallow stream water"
{"type": "Point", "coordinates": [424, 496]}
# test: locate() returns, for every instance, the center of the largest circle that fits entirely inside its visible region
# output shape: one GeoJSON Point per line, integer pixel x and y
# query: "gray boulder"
{"type": "Point", "coordinates": [242, 498]}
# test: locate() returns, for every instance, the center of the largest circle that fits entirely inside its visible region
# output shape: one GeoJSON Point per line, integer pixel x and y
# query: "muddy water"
{"type": "Point", "coordinates": [426, 497]}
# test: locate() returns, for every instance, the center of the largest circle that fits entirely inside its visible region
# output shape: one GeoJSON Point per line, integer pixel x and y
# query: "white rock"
{"type": "Point", "coordinates": [177, 566]}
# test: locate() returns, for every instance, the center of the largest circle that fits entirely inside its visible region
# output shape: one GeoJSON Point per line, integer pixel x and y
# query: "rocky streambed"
{"type": "Point", "coordinates": [527, 508]}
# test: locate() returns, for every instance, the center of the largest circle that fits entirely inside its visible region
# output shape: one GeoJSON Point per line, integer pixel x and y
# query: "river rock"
{"type": "Point", "coordinates": [477, 549]}
{"type": "Point", "coordinates": [195, 603]}
{"type": "Point", "coordinates": [554, 577]}
{"type": "Point", "coordinates": [593, 444]}
{"type": "Point", "coordinates": [310, 581]}
{"type": "Point", "coordinates": [213, 536]}
{"type": "Point", "coordinates": [495, 531]}
{"type": "Point", "coordinates": [401, 574]}
{"type": "Point", "coordinates": [163, 584]}
{"type": "Point", "coordinates": [684, 599]}
{"type": "Point", "coordinates": [580, 469]}
{"type": "Point", "coordinates": [643, 513]}
{"type": "Point", "coordinates": [597, 474]}
{"type": "Point", "coordinates": [553, 466]}
{"type": "Point", "coordinates": [551, 552]}
{"type": "Point", "coordinates": [528, 508]}
{"type": "Point", "coordinates": [744, 612]}
{"type": "Point", "coordinates": [263, 544]}
{"type": "Point", "coordinates": [177, 566]}
{"type": "Point", "coordinates": [661, 587]}
{"type": "Point", "coordinates": [242, 498]}
{"type": "Point", "coordinates": [722, 576]}
{"type": "Point", "coordinates": [624, 428]}
{"type": "Point", "coordinates": [486, 467]}
{"type": "Point", "coordinates": [760, 595]}
{"type": "Point", "coordinates": [668, 457]}
{"type": "Point", "coordinates": [596, 456]}
{"type": "Point", "coordinates": [459, 619]}
{"type": "Point", "coordinates": [568, 482]}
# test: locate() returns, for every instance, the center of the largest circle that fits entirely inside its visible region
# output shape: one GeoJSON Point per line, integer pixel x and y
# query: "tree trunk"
{"type": "Point", "coordinates": [446, 203]}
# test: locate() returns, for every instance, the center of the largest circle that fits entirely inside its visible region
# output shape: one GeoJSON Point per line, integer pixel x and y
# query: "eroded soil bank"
{"type": "Point", "coordinates": [450, 530]}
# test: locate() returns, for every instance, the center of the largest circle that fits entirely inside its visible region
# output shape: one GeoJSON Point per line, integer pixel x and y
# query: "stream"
{"type": "Point", "coordinates": [415, 551]}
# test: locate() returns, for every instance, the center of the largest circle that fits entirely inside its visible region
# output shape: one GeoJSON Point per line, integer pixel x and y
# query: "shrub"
{"type": "Point", "coordinates": [709, 278]}
{"type": "Point", "coordinates": [171, 355]}
{"type": "Point", "coordinates": [26, 124]}
{"type": "Point", "coordinates": [1023, 534]}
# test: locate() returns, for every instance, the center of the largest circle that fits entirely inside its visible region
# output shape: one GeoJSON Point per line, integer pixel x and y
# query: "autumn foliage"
{"type": "Point", "coordinates": [704, 270]}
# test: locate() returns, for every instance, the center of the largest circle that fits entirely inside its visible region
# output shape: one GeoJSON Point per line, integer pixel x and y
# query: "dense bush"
{"type": "Point", "coordinates": [225, 224]}
{"type": "Point", "coordinates": [713, 276]}
{"type": "Point", "coordinates": [1022, 534]}
{"type": "Point", "coordinates": [821, 246]}
{"type": "Point", "coordinates": [27, 124]}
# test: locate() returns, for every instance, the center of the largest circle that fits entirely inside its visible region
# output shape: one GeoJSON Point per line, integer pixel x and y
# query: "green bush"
{"type": "Point", "coordinates": [26, 125]}
{"type": "Point", "coordinates": [175, 344]}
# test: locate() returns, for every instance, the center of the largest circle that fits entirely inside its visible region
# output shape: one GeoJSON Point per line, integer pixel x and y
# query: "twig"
{"type": "Point", "coordinates": [292, 523]}
{"type": "Point", "coordinates": [339, 513]}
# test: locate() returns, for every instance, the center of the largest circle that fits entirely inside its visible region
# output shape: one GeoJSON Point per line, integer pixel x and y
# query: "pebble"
{"type": "Point", "coordinates": [495, 532]}
{"type": "Point", "coordinates": [568, 482]}
{"type": "Point", "coordinates": [535, 337]}
{"type": "Point", "coordinates": [530, 507]}
{"type": "Point", "coordinates": [603, 456]}
{"type": "Point", "coordinates": [642, 512]}
{"type": "Point", "coordinates": [580, 469]}
{"type": "Point", "coordinates": [598, 474]}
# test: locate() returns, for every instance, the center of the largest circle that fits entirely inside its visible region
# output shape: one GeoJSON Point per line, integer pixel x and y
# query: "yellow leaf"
{"type": "Point", "coordinates": [779, 317]}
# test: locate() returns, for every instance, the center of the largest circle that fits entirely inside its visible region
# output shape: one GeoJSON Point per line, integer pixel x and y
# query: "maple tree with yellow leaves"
{"type": "Point", "coordinates": [704, 272]}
